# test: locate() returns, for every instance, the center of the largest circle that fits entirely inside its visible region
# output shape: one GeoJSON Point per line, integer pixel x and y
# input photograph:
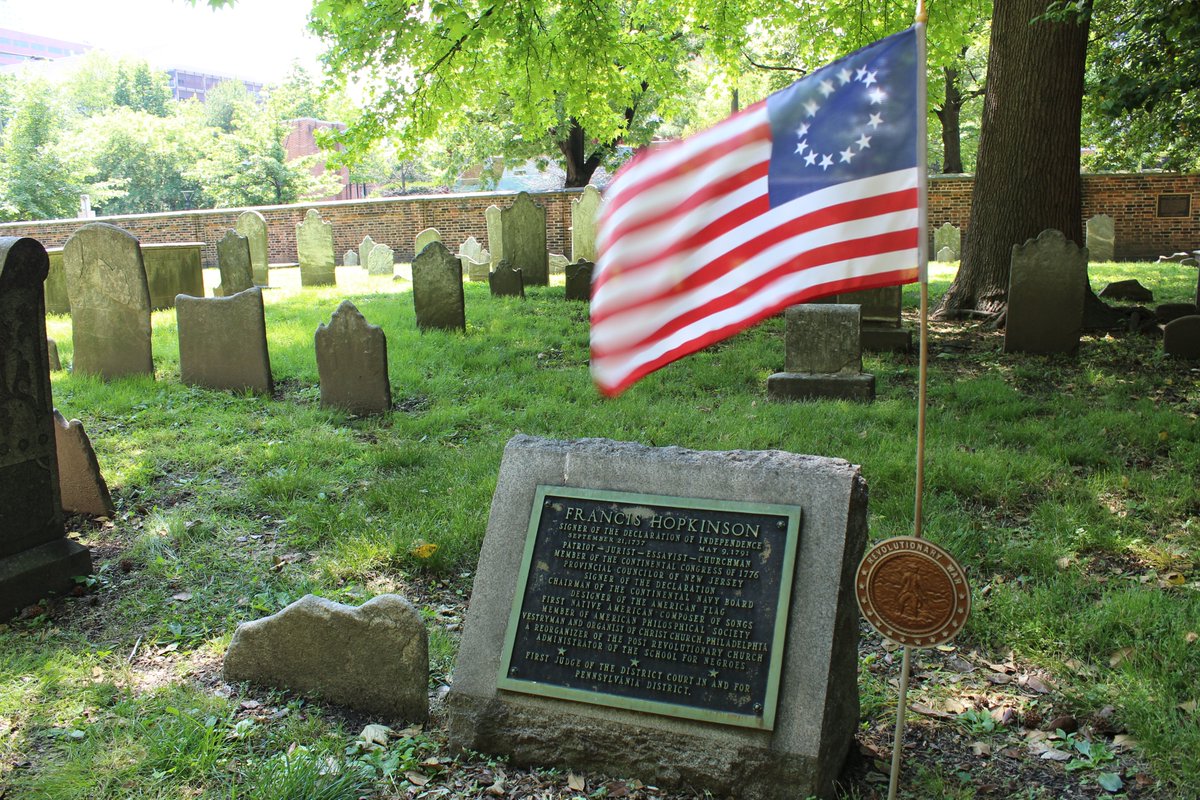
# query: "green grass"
{"type": "Point", "coordinates": [1066, 486]}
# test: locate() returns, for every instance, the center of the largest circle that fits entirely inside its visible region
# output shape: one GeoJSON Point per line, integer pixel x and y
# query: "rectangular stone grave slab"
{"type": "Point", "coordinates": [600, 591]}
{"type": "Point", "coordinates": [223, 342]}
{"type": "Point", "coordinates": [172, 269]}
{"type": "Point", "coordinates": [314, 250]}
{"type": "Point", "coordinates": [1047, 285]}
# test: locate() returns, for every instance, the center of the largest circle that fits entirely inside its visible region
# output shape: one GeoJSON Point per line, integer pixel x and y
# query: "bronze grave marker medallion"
{"type": "Point", "coordinates": [913, 592]}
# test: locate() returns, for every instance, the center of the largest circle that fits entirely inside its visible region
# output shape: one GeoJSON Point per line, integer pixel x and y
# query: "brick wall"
{"type": "Point", "coordinates": [1130, 199]}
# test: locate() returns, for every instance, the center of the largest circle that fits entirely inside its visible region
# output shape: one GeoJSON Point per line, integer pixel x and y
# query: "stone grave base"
{"type": "Point", "coordinates": [808, 386]}
{"type": "Point", "coordinates": [30, 575]}
{"type": "Point", "coordinates": [886, 340]}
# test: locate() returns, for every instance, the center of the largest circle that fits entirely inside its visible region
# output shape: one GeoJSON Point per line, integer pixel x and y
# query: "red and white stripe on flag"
{"type": "Point", "coordinates": [691, 251]}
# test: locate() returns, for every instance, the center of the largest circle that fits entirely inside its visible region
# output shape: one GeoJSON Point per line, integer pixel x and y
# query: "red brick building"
{"type": "Point", "coordinates": [302, 141]}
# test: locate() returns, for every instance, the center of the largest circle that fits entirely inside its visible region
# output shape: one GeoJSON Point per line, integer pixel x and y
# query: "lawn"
{"type": "Point", "coordinates": [1066, 486]}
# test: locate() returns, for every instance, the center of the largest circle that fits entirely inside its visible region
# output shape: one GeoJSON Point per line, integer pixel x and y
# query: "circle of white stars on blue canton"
{"type": "Point", "coordinates": [826, 88]}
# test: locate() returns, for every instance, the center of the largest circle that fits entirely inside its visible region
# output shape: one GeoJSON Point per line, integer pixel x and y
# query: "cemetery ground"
{"type": "Point", "coordinates": [1066, 486]}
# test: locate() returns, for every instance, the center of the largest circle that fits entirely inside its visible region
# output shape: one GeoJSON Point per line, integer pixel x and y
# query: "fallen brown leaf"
{"type": "Point", "coordinates": [982, 749]}
{"type": "Point", "coordinates": [924, 710]}
{"type": "Point", "coordinates": [416, 778]}
{"type": "Point", "coordinates": [1119, 655]}
{"type": "Point", "coordinates": [999, 678]}
{"type": "Point", "coordinates": [1191, 637]}
{"type": "Point", "coordinates": [576, 782]}
{"type": "Point", "coordinates": [1124, 741]}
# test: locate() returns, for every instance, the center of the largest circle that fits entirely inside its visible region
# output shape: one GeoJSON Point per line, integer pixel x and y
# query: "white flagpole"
{"type": "Point", "coordinates": [923, 268]}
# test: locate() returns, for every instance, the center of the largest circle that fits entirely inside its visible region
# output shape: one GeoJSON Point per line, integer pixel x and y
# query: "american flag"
{"type": "Point", "coordinates": [812, 192]}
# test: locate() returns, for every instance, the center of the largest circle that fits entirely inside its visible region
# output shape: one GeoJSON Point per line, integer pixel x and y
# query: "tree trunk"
{"type": "Point", "coordinates": [1027, 172]}
{"type": "Point", "coordinates": [949, 114]}
{"type": "Point", "coordinates": [580, 166]}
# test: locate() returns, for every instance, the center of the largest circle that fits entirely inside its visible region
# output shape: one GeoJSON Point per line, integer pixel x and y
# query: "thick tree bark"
{"type": "Point", "coordinates": [1027, 172]}
{"type": "Point", "coordinates": [580, 166]}
{"type": "Point", "coordinates": [949, 114]}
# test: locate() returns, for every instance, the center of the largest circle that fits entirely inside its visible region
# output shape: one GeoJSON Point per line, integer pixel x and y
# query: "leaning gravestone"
{"type": "Point", "coordinates": [374, 658]}
{"type": "Point", "coordinates": [881, 328]}
{"type": "Point", "coordinates": [495, 234]}
{"type": "Point", "coordinates": [424, 239]}
{"type": "Point", "coordinates": [314, 250]}
{"type": "Point", "coordinates": [1047, 286]}
{"type": "Point", "coordinates": [110, 302]}
{"type": "Point", "coordinates": [683, 618]}
{"type": "Point", "coordinates": [438, 289]}
{"type": "Point", "coordinates": [36, 558]}
{"type": "Point", "coordinates": [585, 217]}
{"type": "Point", "coordinates": [253, 226]}
{"type": "Point", "coordinates": [947, 236]}
{"type": "Point", "coordinates": [1101, 238]}
{"type": "Point", "coordinates": [523, 239]}
{"type": "Point", "coordinates": [381, 261]}
{"type": "Point", "coordinates": [223, 342]}
{"type": "Point", "coordinates": [579, 281]}
{"type": "Point", "coordinates": [823, 355]}
{"type": "Point", "coordinates": [350, 259]}
{"type": "Point", "coordinates": [1130, 289]}
{"type": "Point", "coordinates": [233, 260]}
{"type": "Point", "coordinates": [81, 485]}
{"type": "Point", "coordinates": [352, 363]}
{"type": "Point", "coordinates": [1181, 337]}
{"type": "Point", "coordinates": [504, 281]}
{"type": "Point", "coordinates": [364, 250]}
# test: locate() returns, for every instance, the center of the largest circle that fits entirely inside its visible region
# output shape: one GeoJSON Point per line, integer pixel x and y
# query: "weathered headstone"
{"type": "Point", "coordinates": [57, 299]}
{"type": "Point", "coordinates": [1046, 289]}
{"type": "Point", "coordinates": [82, 487]}
{"type": "Point", "coordinates": [424, 239]}
{"type": "Point", "coordinates": [1168, 312]}
{"type": "Point", "coordinates": [381, 261]}
{"type": "Point", "coordinates": [364, 250]}
{"type": "Point", "coordinates": [495, 234]}
{"type": "Point", "coordinates": [1130, 289]}
{"type": "Point", "coordinates": [523, 238]}
{"type": "Point", "coordinates": [504, 281]}
{"type": "Point", "coordinates": [233, 260]}
{"type": "Point", "coordinates": [223, 342]}
{"type": "Point", "coordinates": [557, 263]}
{"type": "Point", "coordinates": [438, 289]}
{"type": "Point", "coordinates": [253, 226]}
{"type": "Point", "coordinates": [948, 236]}
{"type": "Point", "coordinates": [823, 355]}
{"type": "Point", "coordinates": [352, 363]}
{"type": "Point", "coordinates": [52, 359]}
{"type": "Point", "coordinates": [476, 270]}
{"type": "Point", "coordinates": [1181, 337]}
{"type": "Point", "coordinates": [471, 248]}
{"type": "Point", "coordinates": [881, 326]}
{"type": "Point", "coordinates": [1101, 238]}
{"type": "Point", "coordinates": [36, 558]}
{"type": "Point", "coordinates": [946, 256]}
{"type": "Point", "coordinates": [350, 259]}
{"type": "Point", "coordinates": [585, 215]}
{"type": "Point", "coordinates": [110, 302]}
{"type": "Point", "coordinates": [173, 268]}
{"type": "Point", "coordinates": [374, 658]}
{"type": "Point", "coordinates": [314, 250]}
{"type": "Point", "coordinates": [622, 624]}
{"type": "Point", "coordinates": [579, 281]}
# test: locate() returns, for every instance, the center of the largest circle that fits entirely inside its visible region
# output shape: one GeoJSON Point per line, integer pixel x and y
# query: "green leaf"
{"type": "Point", "coordinates": [1110, 781]}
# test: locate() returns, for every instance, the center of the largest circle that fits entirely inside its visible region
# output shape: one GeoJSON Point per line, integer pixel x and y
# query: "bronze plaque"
{"type": "Point", "coordinates": [1174, 205]}
{"type": "Point", "coordinates": [667, 605]}
{"type": "Point", "coordinates": [913, 592]}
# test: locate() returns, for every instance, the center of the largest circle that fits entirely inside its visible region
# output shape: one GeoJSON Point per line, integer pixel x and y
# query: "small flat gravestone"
{"type": "Point", "coordinates": [1130, 289]}
{"type": "Point", "coordinates": [36, 558]}
{"type": "Point", "coordinates": [381, 261]}
{"type": "Point", "coordinates": [438, 289]}
{"type": "Point", "coordinates": [350, 259]}
{"type": "Point", "coordinates": [233, 260]}
{"type": "Point", "coordinates": [585, 212]}
{"type": "Point", "coordinates": [424, 239]}
{"type": "Point", "coordinates": [823, 355]}
{"type": "Point", "coordinates": [314, 250]}
{"type": "Point", "coordinates": [1047, 286]}
{"type": "Point", "coordinates": [52, 359]}
{"type": "Point", "coordinates": [1169, 312]}
{"type": "Point", "coordinates": [1181, 337]}
{"type": "Point", "coordinates": [364, 250]}
{"type": "Point", "coordinates": [947, 237]}
{"type": "Point", "coordinates": [223, 342]}
{"type": "Point", "coordinates": [505, 281]}
{"type": "Point", "coordinates": [579, 281]}
{"type": "Point", "coordinates": [82, 487]}
{"type": "Point", "coordinates": [1101, 238]}
{"type": "Point", "coordinates": [374, 658]}
{"type": "Point", "coordinates": [476, 260]}
{"type": "Point", "coordinates": [110, 302]}
{"type": "Point", "coordinates": [523, 238]}
{"type": "Point", "coordinates": [881, 326]}
{"type": "Point", "coordinates": [352, 363]}
{"type": "Point", "coordinates": [253, 226]}
{"type": "Point", "coordinates": [659, 613]}
{"type": "Point", "coordinates": [495, 234]}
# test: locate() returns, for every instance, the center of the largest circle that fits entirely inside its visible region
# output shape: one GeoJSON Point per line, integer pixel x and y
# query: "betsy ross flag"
{"type": "Point", "coordinates": [814, 191]}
